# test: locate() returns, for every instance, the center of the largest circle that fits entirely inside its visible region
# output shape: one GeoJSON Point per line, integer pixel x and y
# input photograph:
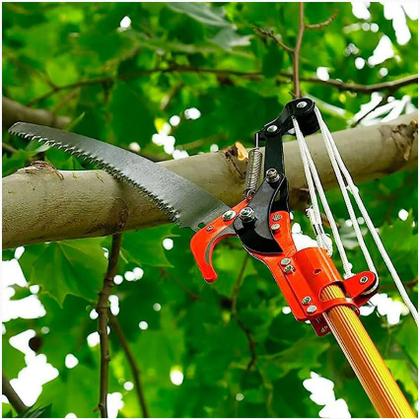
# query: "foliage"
{"type": "Point", "coordinates": [122, 85]}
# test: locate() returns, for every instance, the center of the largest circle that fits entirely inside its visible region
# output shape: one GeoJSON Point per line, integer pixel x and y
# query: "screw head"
{"type": "Point", "coordinates": [288, 269]}
{"type": "Point", "coordinates": [247, 214]}
{"type": "Point", "coordinates": [228, 215]}
{"type": "Point", "coordinates": [363, 279]}
{"type": "Point", "coordinates": [272, 129]}
{"type": "Point", "coordinates": [209, 228]}
{"type": "Point", "coordinates": [324, 329]}
{"type": "Point", "coordinates": [275, 227]}
{"type": "Point", "coordinates": [311, 309]}
{"type": "Point", "coordinates": [272, 175]}
{"type": "Point", "coordinates": [276, 217]}
{"type": "Point", "coordinates": [301, 105]}
{"type": "Point", "coordinates": [306, 300]}
{"type": "Point", "coordinates": [285, 261]}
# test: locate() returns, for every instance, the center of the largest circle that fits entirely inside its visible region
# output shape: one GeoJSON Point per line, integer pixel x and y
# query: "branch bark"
{"type": "Point", "coordinates": [40, 204]}
{"type": "Point", "coordinates": [14, 111]}
{"type": "Point", "coordinates": [135, 369]}
{"type": "Point", "coordinates": [12, 396]}
{"type": "Point", "coordinates": [102, 309]}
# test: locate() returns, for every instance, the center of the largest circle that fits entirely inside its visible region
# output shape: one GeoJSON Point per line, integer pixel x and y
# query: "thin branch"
{"type": "Point", "coordinates": [296, 52]}
{"type": "Point", "coordinates": [269, 34]}
{"type": "Point", "coordinates": [253, 75]}
{"type": "Point", "coordinates": [383, 101]}
{"type": "Point", "coordinates": [102, 308]}
{"type": "Point", "coordinates": [12, 396]}
{"type": "Point", "coordinates": [323, 24]}
{"type": "Point", "coordinates": [135, 370]}
{"type": "Point", "coordinates": [8, 148]}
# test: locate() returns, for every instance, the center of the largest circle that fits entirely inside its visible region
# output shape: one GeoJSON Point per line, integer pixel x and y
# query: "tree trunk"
{"type": "Point", "coordinates": [42, 204]}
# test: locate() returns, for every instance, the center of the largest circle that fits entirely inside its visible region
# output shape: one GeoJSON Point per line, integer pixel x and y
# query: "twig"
{"type": "Point", "coordinates": [235, 292]}
{"type": "Point", "coordinates": [8, 148]}
{"type": "Point", "coordinates": [267, 33]}
{"type": "Point", "coordinates": [12, 396]}
{"type": "Point", "coordinates": [380, 103]}
{"type": "Point", "coordinates": [135, 370]}
{"type": "Point", "coordinates": [340, 85]}
{"type": "Point", "coordinates": [323, 24]}
{"type": "Point", "coordinates": [296, 52]}
{"type": "Point", "coordinates": [102, 308]}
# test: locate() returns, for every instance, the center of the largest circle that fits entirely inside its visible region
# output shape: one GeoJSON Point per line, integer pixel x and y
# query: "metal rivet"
{"type": "Point", "coordinates": [209, 228]}
{"type": "Point", "coordinates": [301, 105]}
{"type": "Point", "coordinates": [275, 227]}
{"type": "Point", "coordinates": [228, 215]}
{"type": "Point", "coordinates": [324, 329]}
{"type": "Point", "coordinates": [289, 268]}
{"type": "Point", "coordinates": [311, 309]}
{"type": "Point", "coordinates": [285, 261]}
{"type": "Point", "coordinates": [247, 214]}
{"type": "Point", "coordinates": [276, 217]}
{"type": "Point", "coordinates": [272, 175]}
{"type": "Point", "coordinates": [272, 129]}
{"type": "Point", "coordinates": [363, 279]}
{"type": "Point", "coordinates": [306, 300]}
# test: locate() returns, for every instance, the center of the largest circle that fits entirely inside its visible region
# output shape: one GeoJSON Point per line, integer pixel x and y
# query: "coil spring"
{"type": "Point", "coordinates": [253, 171]}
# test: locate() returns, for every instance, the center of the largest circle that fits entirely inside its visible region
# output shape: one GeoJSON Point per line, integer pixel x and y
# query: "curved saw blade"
{"type": "Point", "coordinates": [184, 202]}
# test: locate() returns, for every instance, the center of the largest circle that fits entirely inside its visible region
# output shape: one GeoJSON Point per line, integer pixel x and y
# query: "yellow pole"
{"type": "Point", "coordinates": [365, 359]}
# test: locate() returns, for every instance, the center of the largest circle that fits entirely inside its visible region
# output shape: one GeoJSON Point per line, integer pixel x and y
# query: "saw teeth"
{"type": "Point", "coordinates": [172, 214]}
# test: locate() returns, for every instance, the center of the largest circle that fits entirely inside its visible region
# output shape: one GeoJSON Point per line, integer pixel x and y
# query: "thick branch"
{"type": "Point", "coordinates": [14, 112]}
{"type": "Point", "coordinates": [102, 309]}
{"type": "Point", "coordinates": [40, 204]}
{"type": "Point", "coordinates": [12, 396]}
{"type": "Point", "coordinates": [135, 370]}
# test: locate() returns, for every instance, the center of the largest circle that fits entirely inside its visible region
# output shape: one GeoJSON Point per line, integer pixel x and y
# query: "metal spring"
{"type": "Point", "coordinates": [253, 171]}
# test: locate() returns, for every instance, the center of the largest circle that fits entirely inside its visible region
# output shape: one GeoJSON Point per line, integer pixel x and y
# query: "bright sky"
{"type": "Point", "coordinates": [38, 371]}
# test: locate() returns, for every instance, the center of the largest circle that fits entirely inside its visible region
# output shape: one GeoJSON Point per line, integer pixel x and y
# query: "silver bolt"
{"type": "Point", "coordinates": [247, 214]}
{"type": "Point", "coordinates": [363, 279]}
{"type": "Point", "coordinates": [228, 215]}
{"type": "Point", "coordinates": [276, 217]}
{"type": "Point", "coordinates": [285, 261]}
{"type": "Point", "coordinates": [209, 228]}
{"type": "Point", "coordinates": [324, 329]}
{"type": "Point", "coordinates": [275, 227]}
{"type": "Point", "coordinates": [289, 268]}
{"type": "Point", "coordinates": [272, 129]}
{"type": "Point", "coordinates": [301, 105]}
{"type": "Point", "coordinates": [311, 309]}
{"type": "Point", "coordinates": [306, 300]}
{"type": "Point", "coordinates": [272, 175]}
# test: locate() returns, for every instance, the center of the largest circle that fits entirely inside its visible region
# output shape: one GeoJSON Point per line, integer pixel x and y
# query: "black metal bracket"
{"type": "Point", "coordinates": [253, 228]}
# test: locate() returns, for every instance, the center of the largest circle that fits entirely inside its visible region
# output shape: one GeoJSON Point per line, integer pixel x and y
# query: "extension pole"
{"type": "Point", "coordinates": [365, 359]}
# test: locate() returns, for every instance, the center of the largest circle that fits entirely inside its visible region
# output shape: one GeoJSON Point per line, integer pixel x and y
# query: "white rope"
{"type": "Point", "coordinates": [308, 161]}
{"type": "Point", "coordinates": [340, 169]}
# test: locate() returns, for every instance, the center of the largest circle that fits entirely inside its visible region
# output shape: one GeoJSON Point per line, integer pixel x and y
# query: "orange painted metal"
{"type": "Point", "coordinates": [315, 291]}
{"type": "Point", "coordinates": [365, 359]}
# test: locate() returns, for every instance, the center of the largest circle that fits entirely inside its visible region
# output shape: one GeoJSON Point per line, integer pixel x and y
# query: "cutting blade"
{"type": "Point", "coordinates": [184, 202]}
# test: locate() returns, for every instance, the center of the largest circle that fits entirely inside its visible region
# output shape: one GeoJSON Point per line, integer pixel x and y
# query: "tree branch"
{"type": "Point", "coordinates": [40, 206]}
{"type": "Point", "coordinates": [14, 111]}
{"type": "Point", "coordinates": [353, 87]}
{"type": "Point", "coordinates": [296, 51]}
{"type": "Point", "coordinates": [323, 24]}
{"type": "Point", "coordinates": [12, 396]}
{"type": "Point", "coordinates": [269, 34]}
{"type": "Point", "coordinates": [135, 370]}
{"type": "Point", "coordinates": [102, 309]}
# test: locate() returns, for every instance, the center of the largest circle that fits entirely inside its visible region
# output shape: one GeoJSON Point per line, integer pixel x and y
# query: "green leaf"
{"type": "Point", "coordinates": [200, 12]}
{"type": "Point", "coordinates": [132, 121]}
{"type": "Point", "coordinates": [74, 267]}
{"type": "Point", "coordinates": [273, 60]}
{"type": "Point", "coordinates": [227, 39]}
